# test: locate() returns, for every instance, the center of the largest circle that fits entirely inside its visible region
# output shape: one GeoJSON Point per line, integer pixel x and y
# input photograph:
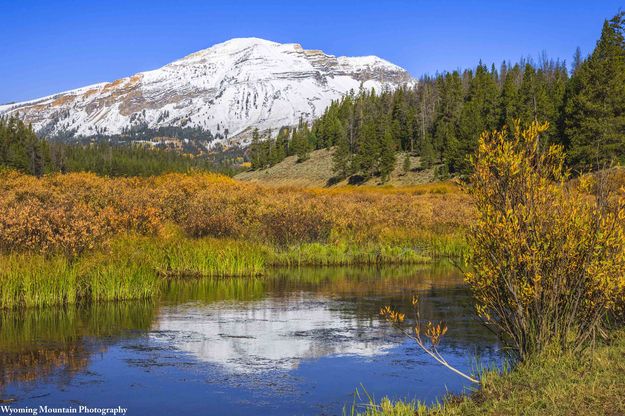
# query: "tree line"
{"type": "Point", "coordinates": [23, 150]}
{"type": "Point", "coordinates": [265, 151]}
{"type": "Point", "coordinates": [441, 118]}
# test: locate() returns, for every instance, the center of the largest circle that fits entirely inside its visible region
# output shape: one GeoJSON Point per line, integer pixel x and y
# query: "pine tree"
{"type": "Point", "coordinates": [335, 131]}
{"type": "Point", "coordinates": [426, 113]}
{"type": "Point", "coordinates": [281, 146]}
{"type": "Point", "coordinates": [427, 157]}
{"type": "Point", "coordinates": [256, 154]}
{"type": "Point", "coordinates": [595, 108]}
{"type": "Point", "coordinates": [449, 110]}
{"type": "Point", "coordinates": [577, 60]}
{"type": "Point", "coordinates": [301, 141]}
{"type": "Point", "coordinates": [529, 106]}
{"type": "Point", "coordinates": [368, 149]}
{"type": "Point", "coordinates": [481, 112]}
{"type": "Point", "coordinates": [387, 158]}
{"type": "Point", "coordinates": [406, 164]}
{"type": "Point", "coordinates": [341, 157]}
{"type": "Point", "coordinates": [510, 97]}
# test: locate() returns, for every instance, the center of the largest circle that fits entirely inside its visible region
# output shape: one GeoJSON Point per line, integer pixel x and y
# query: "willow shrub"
{"type": "Point", "coordinates": [548, 257]}
{"type": "Point", "coordinates": [76, 213]}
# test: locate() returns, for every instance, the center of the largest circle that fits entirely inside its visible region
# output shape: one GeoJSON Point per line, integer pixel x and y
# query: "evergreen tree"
{"type": "Point", "coordinates": [341, 157]}
{"type": "Point", "coordinates": [21, 149]}
{"type": "Point", "coordinates": [427, 157]}
{"type": "Point", "coordinates": [281, 148]}
{"type": "Point", "coordinates": [387, 158]}
{"type": "Point", "coordinates": [446, 127]}
{"type": "Point", "coordinates": [301, 141]}
{"type": "Point", "coordinates": [368, 149]}
{"type": "Point", "coordinates": [406, 164]}
{"type": "Point", "coordinates": [510, 97]}
{"type": "Point", "coordinates": [577, 60]}
{"type": "Point", "coordinates": [426, 96]}
{"type": "Point", "coordinates": [531, 97]}
{"type": "Point", "coordinates": [480, 112]}
{"type": "Point", "coordinates": [256, 153]}
{"type": "Point", "coordinates": [595, 109]}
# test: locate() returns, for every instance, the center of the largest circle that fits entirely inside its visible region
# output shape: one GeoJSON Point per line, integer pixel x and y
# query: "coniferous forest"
{"type": "Point", "coordinates": [441, 118]}
{"type": "Point", "coordinates": [23, 150]}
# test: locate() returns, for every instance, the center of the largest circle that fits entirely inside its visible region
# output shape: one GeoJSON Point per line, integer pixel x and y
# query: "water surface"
{"type": "Point", "coordinates": [296, 342]}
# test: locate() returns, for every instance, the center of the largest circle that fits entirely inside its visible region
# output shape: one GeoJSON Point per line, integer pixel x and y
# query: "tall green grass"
{"type": "Point", "coordinates": [32, 280]}
{"type": "Point", "coordinates": [36, 281]}
{"type": "Point", "coordinates": [211, 258]}
{"type": "Point", "coordinates": [447, 245]}
{"type": "Point", "coordinates": [133, 267]}
{"type": "Point", "coordinates": [119, 279]}
{"type": "Point", "coordinates": [344, 254]}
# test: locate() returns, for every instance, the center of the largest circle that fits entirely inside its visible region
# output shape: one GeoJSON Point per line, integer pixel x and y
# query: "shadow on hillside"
{"type": "Point", "coordinates": [352, 180]}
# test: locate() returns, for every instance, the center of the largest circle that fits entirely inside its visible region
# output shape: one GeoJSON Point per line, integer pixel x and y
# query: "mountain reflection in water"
{"type": "Point", "coordinates": [274, 333]}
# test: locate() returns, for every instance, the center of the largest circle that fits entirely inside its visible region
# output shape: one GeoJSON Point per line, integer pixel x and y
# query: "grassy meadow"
{"type": "Point", "coordinates": [66, 238]}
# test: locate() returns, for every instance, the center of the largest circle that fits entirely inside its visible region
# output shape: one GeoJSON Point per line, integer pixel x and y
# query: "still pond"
{"type": "Point", "coordinates": [295, 342]}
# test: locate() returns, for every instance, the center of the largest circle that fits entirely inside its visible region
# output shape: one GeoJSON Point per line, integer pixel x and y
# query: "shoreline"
{"type": "Point", "coordinates": [133, 267]}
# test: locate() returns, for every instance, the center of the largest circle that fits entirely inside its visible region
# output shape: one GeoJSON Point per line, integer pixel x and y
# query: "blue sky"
{"type": "Point", "coordinates": [51, 46]}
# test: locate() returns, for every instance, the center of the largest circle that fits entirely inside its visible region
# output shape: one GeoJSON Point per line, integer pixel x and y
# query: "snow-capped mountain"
{"type": "Point", "coordinates": [229, 88]}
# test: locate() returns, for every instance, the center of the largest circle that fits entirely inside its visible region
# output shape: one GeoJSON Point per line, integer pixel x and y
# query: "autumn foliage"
{"type": "Point", "coordinates": [548, 254]}
{"type": "Point", "coordinates": [72, 213]}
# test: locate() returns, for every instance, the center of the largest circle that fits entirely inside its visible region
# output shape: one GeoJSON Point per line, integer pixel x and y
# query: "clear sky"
{"type": "Point", "coordinates": [51, 46]}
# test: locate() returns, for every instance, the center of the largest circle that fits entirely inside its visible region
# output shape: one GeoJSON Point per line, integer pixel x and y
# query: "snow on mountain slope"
{"type": "Point", "coordinates": [232, 86]}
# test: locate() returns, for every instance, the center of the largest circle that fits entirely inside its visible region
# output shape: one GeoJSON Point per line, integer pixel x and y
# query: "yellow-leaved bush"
{"type": "Point", "coordinates": [548, 260]}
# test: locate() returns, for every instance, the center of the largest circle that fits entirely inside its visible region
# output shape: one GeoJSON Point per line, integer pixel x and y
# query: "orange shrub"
{"type": "Point", "coordinates": [75, 212]}
{"type": "Point", "coordinates": [295, 218]}
{"type": "Point", "coordinates": [221, 211]}
{"type": "Point", "coordinates": [33, 225]}
{"type": "Point", "coordinates": [69, 213]}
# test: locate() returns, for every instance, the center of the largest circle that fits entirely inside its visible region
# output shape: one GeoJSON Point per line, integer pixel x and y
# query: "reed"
{"type": "Point", "coordinates": [209, 257]}
{"type": "Point", "coordinates": [448, 245]}
{"type": "Point", "coordinates": [32, 280]}
{"type": "Point", "coordinates": [133, 266]}
{"type": "Point", "coordinates": [119, 279]}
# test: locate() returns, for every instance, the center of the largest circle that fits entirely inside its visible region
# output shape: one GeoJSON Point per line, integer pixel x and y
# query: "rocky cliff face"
{"type": "Point", "coordinates": [228, 89]}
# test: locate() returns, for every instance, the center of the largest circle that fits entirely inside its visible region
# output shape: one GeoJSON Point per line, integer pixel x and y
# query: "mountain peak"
{"type": "Point", "coordinates": [229, 89]}
{"type": "Point", "coordinates": [236, 44]}
{"type": "Point", "coordinates": [246, 42]}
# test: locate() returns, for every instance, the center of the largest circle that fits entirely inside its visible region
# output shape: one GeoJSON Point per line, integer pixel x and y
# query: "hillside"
{"type": "Point", "coordinates": [317, 172]}
{"type": "Point", "coordinates": [227, 90]}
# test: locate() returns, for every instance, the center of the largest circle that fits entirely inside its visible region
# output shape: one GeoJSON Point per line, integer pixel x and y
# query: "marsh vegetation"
{"type": "Point", "coordinates": [71, 237]}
